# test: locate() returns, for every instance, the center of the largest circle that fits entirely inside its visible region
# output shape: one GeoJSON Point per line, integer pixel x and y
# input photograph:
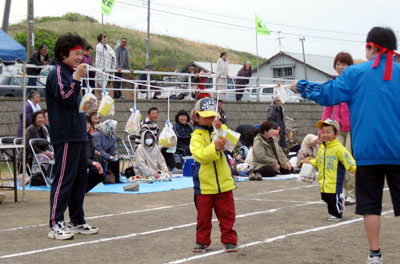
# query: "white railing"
{"type": "Point", "coordinates": [172, 83]}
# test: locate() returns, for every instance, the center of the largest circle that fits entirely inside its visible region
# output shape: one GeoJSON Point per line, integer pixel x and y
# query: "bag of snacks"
{"type": "Point", "coordinates": [88, 103]}
{"type": "Point", "coordinates": [106, 107]}
{"type": "Point", "coordinates": [133, 124]}
{"type": "Point", "coordinates": [167, 137]}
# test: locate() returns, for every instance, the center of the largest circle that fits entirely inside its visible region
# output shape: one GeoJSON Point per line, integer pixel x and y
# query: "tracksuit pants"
{"type": "Point", "coordinates": [334, 202]}
{"type": "Point", "coordinates": [69, 184]}
{"type": "Point", "coordinates": [224, 208]}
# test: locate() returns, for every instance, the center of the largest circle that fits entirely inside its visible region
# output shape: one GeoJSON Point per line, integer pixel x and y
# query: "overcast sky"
{"type": "Point", "coordinates": [328, 26]}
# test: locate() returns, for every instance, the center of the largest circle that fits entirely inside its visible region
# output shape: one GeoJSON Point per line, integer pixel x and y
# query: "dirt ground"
{"type": "Point", "coordinates": [277, 222]}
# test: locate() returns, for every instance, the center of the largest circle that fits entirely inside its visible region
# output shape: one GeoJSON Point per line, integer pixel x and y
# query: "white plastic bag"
{"type": "Point", "coordinates": [88, 103]}
{"type": "Point", "coordinates": [231, 136]}
{"type": "Point", "coordinates": [106, 107]}
{"type": "Point", "coordinates": [167, 137]}
{"type": "Point", "coordinates": [283, 96]}
{"type": "Point", "coordinates": [307, 174]}
{"type": "Point", "coordinates": [133, 124]}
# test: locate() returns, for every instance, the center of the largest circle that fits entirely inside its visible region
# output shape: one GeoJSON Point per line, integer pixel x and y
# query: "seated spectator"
{"type": "Point", "coordinates": [46, 122]}
{"type": "Point", "coordinates": [194, 80]}
{"type": "Point", "coordinates": [308, 150]}
{"type": "Point", "coordinates": [104, 141]}
{"type": "Point", "coordinates": [93, 119]}
{"type": "Point", "coordinates": [268, 157]}
{"type": "Point", "coordinates": [95, 170]}
{"type": "Point", "coordinates": [149, 160]}
{"type": "Point", "coordinates": [31, 106]}
{"type": "Point", "coordinates": [37, 130]}
{"type": "Point", "coordinates": [143, 79]}
{"type": "Point", "coordinates": [183, 132]}
{"type": "Point", "coordinates": [246, 134]}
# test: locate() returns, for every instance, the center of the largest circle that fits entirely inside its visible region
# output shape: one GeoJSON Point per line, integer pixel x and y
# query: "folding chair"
{"type": "Point", "coordinates": [37, 164]}
{"type": "Point", "coordinates": [124, 154]}
{"type": "Point", "coordinates": [131, 141]}
{"type": "Point", "coordinates": [18, 141]}
{"type": "Point", "coordinates": [7, 156]}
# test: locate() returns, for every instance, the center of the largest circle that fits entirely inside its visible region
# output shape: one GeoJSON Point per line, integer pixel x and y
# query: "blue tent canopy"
{"type": "Point", "coordinates": [10, 50]}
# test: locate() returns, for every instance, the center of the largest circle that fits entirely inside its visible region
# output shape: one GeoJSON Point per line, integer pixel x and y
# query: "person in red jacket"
{"type": "Point", "coordinates": [341, 114]}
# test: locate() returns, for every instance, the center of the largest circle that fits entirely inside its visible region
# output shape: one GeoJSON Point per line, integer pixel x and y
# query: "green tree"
{"type": "Point", "coordinates": [41, 37]}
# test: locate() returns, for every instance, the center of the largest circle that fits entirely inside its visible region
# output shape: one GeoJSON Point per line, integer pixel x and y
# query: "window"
{"type": "Point", "coordinates": [268, 90]}
{"type": "Point", "coordinates": [284, 72]}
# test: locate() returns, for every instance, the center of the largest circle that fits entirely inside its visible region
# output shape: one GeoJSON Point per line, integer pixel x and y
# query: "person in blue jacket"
{"type": "Point", "coordinates": [68, 136]}
{"type": "Point", "coordinates": [372, 90]}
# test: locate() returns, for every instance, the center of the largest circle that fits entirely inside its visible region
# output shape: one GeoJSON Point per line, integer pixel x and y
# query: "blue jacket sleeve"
{"type": "Point", "coordinates": [98, 144]}
{"type": "Point", "coordinates": [329, 93]}
{"type": "Point", "coordinates": [66, 92]}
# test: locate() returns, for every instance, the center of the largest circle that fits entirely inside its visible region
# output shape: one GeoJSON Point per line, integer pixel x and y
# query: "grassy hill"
{"type": "Point", "coordinates": [166, 53]}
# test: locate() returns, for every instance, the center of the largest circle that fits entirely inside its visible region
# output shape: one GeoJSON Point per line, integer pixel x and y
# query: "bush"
{"type": "Point", "coordinates": [41, 37]}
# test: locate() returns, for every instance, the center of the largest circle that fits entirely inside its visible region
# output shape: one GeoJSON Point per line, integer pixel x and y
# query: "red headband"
{"type": "Point", "coordinates": [77, 47]}
{"type": "Point", "coordinates": [389, 60]}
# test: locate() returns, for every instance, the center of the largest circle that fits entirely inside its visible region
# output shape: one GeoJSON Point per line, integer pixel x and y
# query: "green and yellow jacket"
{"type": "Point", "coordinates": [332, 161]}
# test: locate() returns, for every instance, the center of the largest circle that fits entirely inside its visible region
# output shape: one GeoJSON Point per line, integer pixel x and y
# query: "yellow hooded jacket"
{"type": "Point", "coordinates": [212, 173]}
{"type": "Point", "coordinates": [332, 161]}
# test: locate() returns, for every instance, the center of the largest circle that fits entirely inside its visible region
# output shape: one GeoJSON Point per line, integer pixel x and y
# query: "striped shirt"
{"type": "Point", "coordinates": [144, 126]}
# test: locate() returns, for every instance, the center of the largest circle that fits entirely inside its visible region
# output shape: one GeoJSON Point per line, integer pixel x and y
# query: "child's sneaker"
{"type": "Point", "coordinates": [60, 232]}
{"type": "Point", "coordinates": [349, 201]}
{"type": "Point", "coordinates": [200, 248]}
{"type": "Point", "coordinates": [374, 260]}
{"type": "Point", "coordinates": [258, 176]}
{"type": "Point", "coordinates": [252, 176]}
{"type": "Point", "coordinates": [230, 247]}
{"type": "Point", "coordinates": [334, 218]}
{"type": "Point", "coordinates": [84, 229]}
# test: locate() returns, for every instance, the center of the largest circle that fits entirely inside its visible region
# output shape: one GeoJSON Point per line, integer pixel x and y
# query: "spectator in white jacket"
{"type": "Point", "coordinates": [105, 60]}
{"type": "Point", "coordinates": [222, 74]}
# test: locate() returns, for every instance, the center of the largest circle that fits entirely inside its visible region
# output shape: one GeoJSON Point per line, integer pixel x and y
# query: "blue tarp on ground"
{"type": "Point", "coordinates": [10, 50]}
{"type": "Point", "coordinates": [176, 184]}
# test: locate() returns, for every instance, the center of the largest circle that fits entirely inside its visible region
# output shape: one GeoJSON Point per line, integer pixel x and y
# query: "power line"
{"type": "Point", "coordinates": [240, 26]}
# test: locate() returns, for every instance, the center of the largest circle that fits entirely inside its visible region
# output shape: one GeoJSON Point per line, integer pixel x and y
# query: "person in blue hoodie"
{"type": "Point", "coordinates": [372, 90]}
{"type": "Point", "coordinates": [68, 136]}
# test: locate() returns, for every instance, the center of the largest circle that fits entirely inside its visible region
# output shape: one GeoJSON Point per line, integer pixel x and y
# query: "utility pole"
{"type": "Point", "coordinates": [6, 15]}
{"type": "Point", "coordinates": [302, 39]}
{"type": "Point", "coordinates": [279, 39]}
{"type": "Point", "coordinates": [148, 35]}
{"type": "Point", "coordinates": [30, 44]}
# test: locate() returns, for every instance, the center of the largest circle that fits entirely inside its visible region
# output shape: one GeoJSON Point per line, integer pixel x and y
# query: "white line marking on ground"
{"type": "Point", "coordinates": [143, 233]}
{"type": "Point", "coordinates": [283, 190]}
{"type": "Point", "coordinates": [102, 216]}
{"type": "Point", "coordinates": [270, 200]}
{"type": "Point", "coordinates": [269, 240]}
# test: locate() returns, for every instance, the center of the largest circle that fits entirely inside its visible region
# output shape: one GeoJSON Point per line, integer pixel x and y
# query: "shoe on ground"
{"type": "Point", "coordinates": [374, 260]}
{"type": "Point", "coordinates": [84, 229]}
{"type": "Point", "coordinates": [200, 248]}
{"type": "Point", "coordinates": [349, 201]}
{"type": "Point", "coordinates": [60, 232]}
{"type": "Point", "coordinates": [252, 176]}
{"type": "Point", "coordinates": [176, 171]}
{"type": "Point", "coordinates": [258, 176]}
{"type": "Point", "coordinates": [230, 247]}
{"type": "Point", "coordinates": [333, 218]}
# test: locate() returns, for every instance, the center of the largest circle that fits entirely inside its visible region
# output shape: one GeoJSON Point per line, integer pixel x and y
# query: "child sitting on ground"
{"type": "Point", "coordinates": [308, 150]}
{"type": "Point", "coordinates": [332, 161]}
{"type": "Point", "coordinates": [212, 178]}
{"type": "Point", "coordinates": [149, 161]}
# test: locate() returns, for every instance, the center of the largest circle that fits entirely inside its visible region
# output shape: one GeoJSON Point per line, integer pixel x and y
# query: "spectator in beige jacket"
{"type": "Point", "coordinates": [222, 74]}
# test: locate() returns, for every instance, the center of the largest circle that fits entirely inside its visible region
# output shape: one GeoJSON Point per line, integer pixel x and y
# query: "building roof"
{"type": "Point", "coordinates": [318, 62]}
{"type": "Point", "coordinates": [211, 66]}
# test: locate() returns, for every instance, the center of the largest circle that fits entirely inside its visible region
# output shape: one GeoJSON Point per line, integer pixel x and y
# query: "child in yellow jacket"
{"type": "Point", "coordinates": [212, 178]}
{"type": "Point", "coordinates": [332, 161]}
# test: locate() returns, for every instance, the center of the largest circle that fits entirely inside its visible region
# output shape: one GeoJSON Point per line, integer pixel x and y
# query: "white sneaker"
{"type": "Point", "coordinates": [374, 260]}
{"type": "Point", "coordinates": [334, 218]}
{"type": "Point", "coordinates": [349, 201]}
{"type": "Point", "coordinates": [60, 232]}
{"type": "Point", "coordinates": [84, 229]}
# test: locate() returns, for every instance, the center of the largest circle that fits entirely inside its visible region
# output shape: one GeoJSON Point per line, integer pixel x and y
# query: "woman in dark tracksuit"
{"type": "Point", "coordinates": [67, 128]}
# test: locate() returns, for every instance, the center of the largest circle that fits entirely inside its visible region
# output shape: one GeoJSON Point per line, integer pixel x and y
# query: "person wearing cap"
{"type": "Point", "coordinates": [68, 136]}
{"type": "Point", "coordinates": [275, 115]}
{"type": "Point", "coordinates": [143, 79]}
{"type": "Point", "coordinates": [371, 90]}
{"type": "Point", "coordinates": [38, 58]}
{"type": "Point", "coordinates": [332, 160]}
{"type": "Point", "coordinates": [212, 178]}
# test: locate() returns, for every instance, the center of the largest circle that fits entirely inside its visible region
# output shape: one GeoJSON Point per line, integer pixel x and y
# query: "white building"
{"type": "Point", "coordinates": [288, 65]}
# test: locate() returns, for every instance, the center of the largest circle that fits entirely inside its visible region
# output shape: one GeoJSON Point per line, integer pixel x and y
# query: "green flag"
{"type": "Point", "coordinates": [261, 28]}
{"type": "Point", "coordinates": [106, 6]}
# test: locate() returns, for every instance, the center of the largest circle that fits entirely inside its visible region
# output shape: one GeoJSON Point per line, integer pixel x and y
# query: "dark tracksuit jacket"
{"type": "Point", "coordinates": [68, 136]}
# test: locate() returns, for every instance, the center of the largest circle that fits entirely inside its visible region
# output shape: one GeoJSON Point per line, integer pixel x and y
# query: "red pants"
{"type": "Point", "coordinates": [224, 208]}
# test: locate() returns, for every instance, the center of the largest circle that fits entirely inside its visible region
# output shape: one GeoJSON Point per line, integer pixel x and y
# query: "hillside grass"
{"type": "Point", "coordinates": [166, 53]}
